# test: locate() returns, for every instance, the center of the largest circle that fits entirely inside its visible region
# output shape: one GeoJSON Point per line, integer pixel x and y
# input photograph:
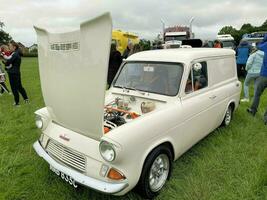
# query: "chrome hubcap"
{"type": "Point", "coordinates": [228, 116]}
{"type": "Point", "coordinates": [159, 172]}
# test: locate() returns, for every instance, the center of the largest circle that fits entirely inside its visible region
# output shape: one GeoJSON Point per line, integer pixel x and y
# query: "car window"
{"type": "Point", "coordinates": [197, 79]}
{"type": "Point", "coordinates": [153, 77]}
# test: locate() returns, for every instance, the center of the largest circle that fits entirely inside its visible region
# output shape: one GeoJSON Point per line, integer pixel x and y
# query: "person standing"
{"type": "Point", "coordinates": [261, 82]}
{"type": "Point", "coordinates": [115, 61]}
{"type": "Point", "coordinates": [14, 73]}
{"type": "Point", "coordinates": [136, 48]}
{"type": "Point", "coordinates": [217, 44]}
{"type": "Point", "coordinates": [242, 53]}
{"type": "Point", "coordinates": [253, 68]}
{"type": "Point", "coordinates": [127, 50]}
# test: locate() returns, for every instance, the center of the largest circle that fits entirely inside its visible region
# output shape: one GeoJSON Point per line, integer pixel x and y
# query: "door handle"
{"type": "Point", "coordinates": [213, 97]}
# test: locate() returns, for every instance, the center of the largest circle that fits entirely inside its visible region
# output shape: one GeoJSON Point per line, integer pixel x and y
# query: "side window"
{"type": "Point", "coordinates": [198, 77]}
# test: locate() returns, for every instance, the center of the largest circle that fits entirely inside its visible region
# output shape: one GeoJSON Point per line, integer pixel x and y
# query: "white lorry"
{"type": "Point", "coordinates": [227, 41]}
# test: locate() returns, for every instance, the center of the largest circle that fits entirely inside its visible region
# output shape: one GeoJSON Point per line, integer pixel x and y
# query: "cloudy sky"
{"type": "Point", "coordinates": [140, 16]}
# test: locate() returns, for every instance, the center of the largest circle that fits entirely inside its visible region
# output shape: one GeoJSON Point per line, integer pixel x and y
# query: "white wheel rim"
{"type": "Point", "coordinates": [228, 116]}
{"type": "Point", "coordinates": [158, 173]}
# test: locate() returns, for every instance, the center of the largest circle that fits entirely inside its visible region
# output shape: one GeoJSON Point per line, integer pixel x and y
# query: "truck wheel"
{"type": "Point", "coordinates": [156, 171]}
{"type": "Point", "coordinates": [228, 116]}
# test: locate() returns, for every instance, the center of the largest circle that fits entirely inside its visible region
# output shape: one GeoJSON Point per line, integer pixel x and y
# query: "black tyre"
{"type": "Point", "coordinates": [156, 171]}
{"type": "Point", "coordinates": [228, 116]}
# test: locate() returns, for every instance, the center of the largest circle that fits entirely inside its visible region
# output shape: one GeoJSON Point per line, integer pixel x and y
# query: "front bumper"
{"type": "Point", "coordinates": [102, 186]}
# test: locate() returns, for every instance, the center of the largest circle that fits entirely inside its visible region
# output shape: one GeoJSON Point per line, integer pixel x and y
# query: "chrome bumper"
{"type": "Point", "coordinates": [102, 186]}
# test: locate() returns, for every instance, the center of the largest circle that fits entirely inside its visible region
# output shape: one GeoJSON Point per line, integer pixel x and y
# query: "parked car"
{"type": "Point", "coordinates": [160, 104]}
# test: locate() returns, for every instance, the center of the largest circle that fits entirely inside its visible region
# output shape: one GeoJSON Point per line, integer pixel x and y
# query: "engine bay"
{"type": "Point", "coordinates": [122, 110]}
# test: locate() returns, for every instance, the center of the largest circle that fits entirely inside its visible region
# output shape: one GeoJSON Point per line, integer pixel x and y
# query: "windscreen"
{"type": "Point", "coordinates": [158, 78]}
{"type": "Point", "coordinates": [228, 43]}
{"type": "Point", "coordinates": [178, 37]}
{"type": "Point", "coordinates": [251, 41]}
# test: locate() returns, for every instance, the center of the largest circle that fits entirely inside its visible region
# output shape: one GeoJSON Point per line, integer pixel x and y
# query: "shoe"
{"type": "Point", "coordinates": [252, 112]}
{"type": "Point", "coordinates": [244, 100]}
{"type": "Point", "coordinates": [16, 104]}
{"type": "Point", "coordinates": [26, 101]}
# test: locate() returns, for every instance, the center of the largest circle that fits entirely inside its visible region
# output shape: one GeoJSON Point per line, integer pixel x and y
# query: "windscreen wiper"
{"type": "Point", "coordinates": [126, 89]}
{"type": "Point", "coordinates": [139, 91]}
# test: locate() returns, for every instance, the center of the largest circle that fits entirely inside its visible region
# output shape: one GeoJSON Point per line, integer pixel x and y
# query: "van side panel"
{"type": "Point", "coordinates": [224, 83]}
{"type": "Point", "coordinates": [222, 69]}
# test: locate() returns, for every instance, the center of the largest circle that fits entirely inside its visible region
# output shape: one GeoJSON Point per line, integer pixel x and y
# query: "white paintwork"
{"type": "Point", "coordinates": [67, 74]}
{"type": "Point", "coordinates": [82, 179]}
{"type": "Point", "coordinates": [181, 120]}
{"type": "Point", "coordinates": [185, 55]}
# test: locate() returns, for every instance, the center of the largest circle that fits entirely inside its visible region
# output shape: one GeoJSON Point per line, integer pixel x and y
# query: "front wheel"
{"type": "Point", "coordinates": [155, 172]}
{"type": "Point", "coordinates": [228, 116]}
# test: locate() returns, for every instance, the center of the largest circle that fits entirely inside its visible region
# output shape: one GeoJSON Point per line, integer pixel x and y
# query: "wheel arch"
{"type": "Point", "coordinates": [166, 143]}
{"type": "Point", "coordinates": [232, 104]}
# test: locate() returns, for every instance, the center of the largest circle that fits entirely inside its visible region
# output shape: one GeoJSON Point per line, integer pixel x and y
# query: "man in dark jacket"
{"type": "Point", "coordinates": [242, 52]}
{"type": "Point", "coordinates": [13, 70]}
{"type": "Point", "coordinates": [115, 61]}
{"type": "Point", "coordinates": [261, 82]}
{"type": "Point", "coordinates": [127, 50]}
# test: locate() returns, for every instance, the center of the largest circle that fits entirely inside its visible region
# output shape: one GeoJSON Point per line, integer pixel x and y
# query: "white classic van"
{"type": "Point", "coordinates": [160, 104]}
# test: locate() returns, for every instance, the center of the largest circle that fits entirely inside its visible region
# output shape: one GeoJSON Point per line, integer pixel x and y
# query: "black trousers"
{"type": "Point", "coordinates": [16, 87]}
{"type": "Point", "coordinates": [3, 88]}
{"type": "Point", "coordinates": [241, 70]}
{"type": "Point", "coordinates": [261, 84]}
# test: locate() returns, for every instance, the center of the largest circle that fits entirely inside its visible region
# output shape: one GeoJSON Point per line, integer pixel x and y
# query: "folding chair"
{"type": "Point", "coordinates": [2, 80]}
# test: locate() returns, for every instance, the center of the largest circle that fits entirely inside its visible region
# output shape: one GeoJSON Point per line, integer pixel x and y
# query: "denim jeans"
{"type": "Point", "coordinates": [261, 84]}
{"type": "Point", "coordinates": [249, 78]}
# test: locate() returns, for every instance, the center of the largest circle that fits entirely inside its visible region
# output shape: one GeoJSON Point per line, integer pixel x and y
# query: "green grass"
{"type": "Point", "coordinates": [231, 163]}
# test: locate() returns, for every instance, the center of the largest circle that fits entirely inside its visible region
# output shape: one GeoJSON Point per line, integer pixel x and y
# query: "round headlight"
{"type": "Point", "coordinates": [39, 122]}
{"type": "Point", "coordinates": [107, 151]}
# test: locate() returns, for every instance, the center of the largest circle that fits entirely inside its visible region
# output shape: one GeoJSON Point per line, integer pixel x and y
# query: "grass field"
{"type": "Point", "coordinates": [229, 164]}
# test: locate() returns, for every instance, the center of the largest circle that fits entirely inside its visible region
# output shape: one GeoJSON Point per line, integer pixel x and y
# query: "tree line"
{"type": "Point", "coordinates": [245, 28]}
{"type": "Point", "coordinates": [4, 36]}
{"type": "Point", "coordinates": [237, 34]}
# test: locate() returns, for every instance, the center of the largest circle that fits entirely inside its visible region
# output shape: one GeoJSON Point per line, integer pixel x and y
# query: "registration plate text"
{"type": "Point", "coordinates": [65, 177]}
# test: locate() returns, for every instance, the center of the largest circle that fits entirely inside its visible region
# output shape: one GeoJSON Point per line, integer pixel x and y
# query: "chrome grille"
{"type": "Point", "coordinates": [66, 155]}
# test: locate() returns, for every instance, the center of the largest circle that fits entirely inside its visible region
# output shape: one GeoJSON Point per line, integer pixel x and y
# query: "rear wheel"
{"type": "Point", "coordinates": [155, 172]}
{"type": "Point", "coordinates": [228, 116]}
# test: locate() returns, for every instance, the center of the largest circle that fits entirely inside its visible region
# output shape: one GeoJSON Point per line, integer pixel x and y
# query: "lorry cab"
{"type": "Point", "coordinates": [227, 41]}
{"type": "Point", "coordinates": [122, 39]}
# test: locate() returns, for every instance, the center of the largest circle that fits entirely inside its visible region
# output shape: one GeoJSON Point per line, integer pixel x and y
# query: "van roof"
{"type": "Point", "coordinates": [182, 55]}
